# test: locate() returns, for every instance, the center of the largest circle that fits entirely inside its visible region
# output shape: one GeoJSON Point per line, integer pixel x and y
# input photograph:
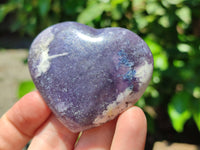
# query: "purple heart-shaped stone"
{"type": "Point", "coordinates": [89, 76]}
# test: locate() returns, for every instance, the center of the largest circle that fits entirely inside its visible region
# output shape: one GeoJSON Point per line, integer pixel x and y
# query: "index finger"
{"type": "Point", "coordinates": [18, 125]}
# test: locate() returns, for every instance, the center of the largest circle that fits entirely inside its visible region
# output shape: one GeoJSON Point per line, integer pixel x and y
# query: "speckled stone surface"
{"type": "Point", "coordinates": [89, 76]}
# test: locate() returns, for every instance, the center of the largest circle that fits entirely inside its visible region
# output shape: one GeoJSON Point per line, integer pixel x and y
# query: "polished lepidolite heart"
{"type": "Point", "coordinates": [89, 76]}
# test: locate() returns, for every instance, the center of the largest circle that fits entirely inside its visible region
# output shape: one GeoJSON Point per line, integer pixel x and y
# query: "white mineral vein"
{"type": "Point", "coordinates": [44, 64]}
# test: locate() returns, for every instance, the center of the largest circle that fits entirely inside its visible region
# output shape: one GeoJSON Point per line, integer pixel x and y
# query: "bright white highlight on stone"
{"type": "Point", "coordinates": [89, 38]}
{"type": "Point", "coordinates": [118, 106]}
{"type": "Point", "coordinates": [144, 72]}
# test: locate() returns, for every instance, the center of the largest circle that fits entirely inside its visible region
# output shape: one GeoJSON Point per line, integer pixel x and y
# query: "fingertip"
{"type": "Point", "coordinates": [133, 115]}
{"type": "Point", "coordinates": [131, 130]}
{"type": "Point", "coordinates": [97, 138]}
{"type": "Point", "coordinates": [33, 98]}
{"type": "Point", "coordinates": [133, 120]}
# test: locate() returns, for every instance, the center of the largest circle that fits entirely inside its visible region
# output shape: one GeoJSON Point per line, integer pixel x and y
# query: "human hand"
{"type": "Point", "coordinates": [30, 118]}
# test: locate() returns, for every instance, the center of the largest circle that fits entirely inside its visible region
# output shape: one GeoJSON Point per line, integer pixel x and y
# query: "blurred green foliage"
{"type": "Point", "coordinates": [25, 87]}
{"type": "Point", "coordinates": [171, 28]}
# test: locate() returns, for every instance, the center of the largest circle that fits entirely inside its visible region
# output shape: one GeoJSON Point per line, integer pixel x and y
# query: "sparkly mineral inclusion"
{"type": "Point", "coordinates": [89, 76]}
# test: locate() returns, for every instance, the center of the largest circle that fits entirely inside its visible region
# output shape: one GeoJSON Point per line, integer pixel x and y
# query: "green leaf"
{"type": "Point", "coordinates": [155, 8]}
{"type": "Point", "coordinates": [151, 123]}
{"type": "Point", "coordinates": [71, 7]}
{"type": "Point", "coordinates": [178, 63]}
{"type": "Point", "coordinates": [116, 14]}
{"type": "Point", "coordinates": [141, 20]}
{"type": "Point", "coordinates": [141, 102]}
{"type": "Point", "coordinates": [178, 110]}
{"type": "Point", "coordinates": [160, 57]}
{"type": "Point", "coordinates": [182, 47]}
{"type": "Point", "coordinates": [164, 21]}
{"type": "Point", "coordinates": [196, 111]}
{"type": "Point", "coordinates": [6, 9]}
{"type": "Point", "coordinates": [152, 91]}
{"type": "Point", "coordinates": [138, 5]}
{"type": "Point", "coordinates": [44, 6]}
{"type": "Point", "coordinates": [155, 47]}
{"type": "Point", "coordinates": [184, 14]}
{"type": "Point", "coordinates": [196, 92]}
{"type": "Point", "coordinates": [156, 77]}
{"type": "Point", "coordinates": [186, 73]}
{"type": "Point", "coordinates": [173, 2]}
{"type": "Point", "coordinates": [92, 12]}
{"type": "Point", "coordinates": [114, 3]}
{"type": "Point", "coordinates": [25, 87]}
{"type": "Point", "coordinates": [161, 61]}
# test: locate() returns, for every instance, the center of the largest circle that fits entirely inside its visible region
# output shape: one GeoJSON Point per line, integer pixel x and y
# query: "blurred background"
{"type": "Point", "coordinates": [171, 28]}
